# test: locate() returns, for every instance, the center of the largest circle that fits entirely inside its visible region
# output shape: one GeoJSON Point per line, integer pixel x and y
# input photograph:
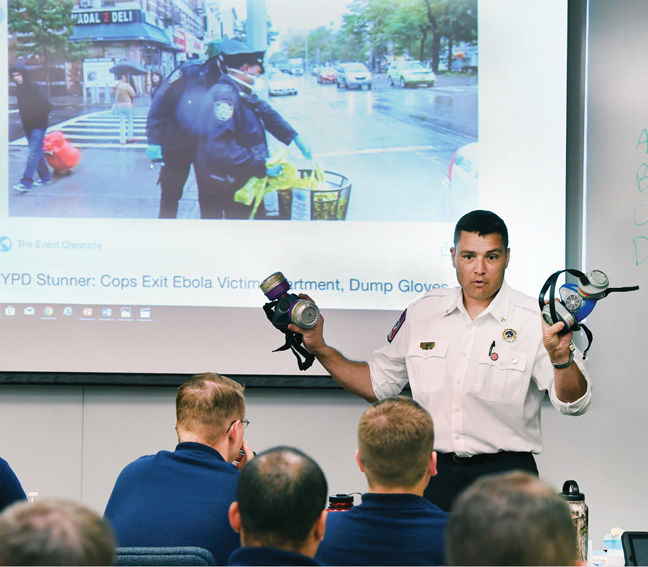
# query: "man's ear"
{"type": "Point", "coordinates": [234, 516]}
{"type": "Point", "coordinates": [320, 526]}
{"type": "Point", "coordinates": [357, 457]}
{"type": "Point", "coordinates": [432, 464]}
{"type": "Point", "coordinates": [452, 255]}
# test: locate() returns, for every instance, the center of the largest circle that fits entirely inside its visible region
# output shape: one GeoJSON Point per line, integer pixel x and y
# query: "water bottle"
{"type": "Point", "coordinates": [579, 514]}
{"type": "Point", "coordinates": [340, 502]}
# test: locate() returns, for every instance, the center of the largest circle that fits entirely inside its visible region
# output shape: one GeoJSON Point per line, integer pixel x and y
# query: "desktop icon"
{"type": "Point", "coordinates": [87, 312]}
{"type": "Point", "coordinates": [145, 313]}
{"type": "Point", "coordinates": [106, 312]}
{"type": "Point", "coordinates": [125, 313]}
{"type": "Point", "coordinates": [48, 311]}
{"type": "Point", "coordinates": [29, 310]}
{"type": "Point", "coordinates": [10, 311]}
{"type": "Point", "coordinates": [67, 311]}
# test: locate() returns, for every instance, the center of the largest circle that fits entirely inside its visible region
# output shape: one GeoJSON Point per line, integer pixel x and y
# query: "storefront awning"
{"type": "Point", "coordinates": [121, 32]}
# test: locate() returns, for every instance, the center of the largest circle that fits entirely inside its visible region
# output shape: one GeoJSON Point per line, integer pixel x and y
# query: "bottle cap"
{"type": "Point", "coordinates": [571, 493]}
{"type": "Point", "coordinates": [341, 499]}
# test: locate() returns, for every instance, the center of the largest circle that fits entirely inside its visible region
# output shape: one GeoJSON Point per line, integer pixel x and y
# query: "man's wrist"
{"type": "Point", "coordinates": [568, 362]}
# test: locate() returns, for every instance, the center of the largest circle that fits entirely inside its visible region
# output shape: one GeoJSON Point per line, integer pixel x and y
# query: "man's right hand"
{"type": "Point", "coordinates": [313, 338]}
{"type": "Point", "coordinates": [154, 152]}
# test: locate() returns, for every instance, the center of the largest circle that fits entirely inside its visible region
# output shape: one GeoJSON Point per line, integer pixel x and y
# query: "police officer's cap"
{"type": "Point", "coordinates": [236, 54]}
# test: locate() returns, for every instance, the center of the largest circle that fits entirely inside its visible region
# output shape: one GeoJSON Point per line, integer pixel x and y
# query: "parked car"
{"type": "Point", "coordinates": [409, 74]}
{"type": "Point", "coordinates": [326, 75]}
{"type": "Point", "coordinates": [353, 75]}
{"type": "Point", "coordinates": [280, 83]}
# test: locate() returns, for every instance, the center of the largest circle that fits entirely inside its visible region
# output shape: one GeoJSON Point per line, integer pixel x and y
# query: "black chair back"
{"type": "Point", "coordinates": [163, 556]}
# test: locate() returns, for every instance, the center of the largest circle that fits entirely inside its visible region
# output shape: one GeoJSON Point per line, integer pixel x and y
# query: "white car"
{"type": "Point", "coordinates": [280, 83]}
{"type": "Point", "coordinates": [409, 74]}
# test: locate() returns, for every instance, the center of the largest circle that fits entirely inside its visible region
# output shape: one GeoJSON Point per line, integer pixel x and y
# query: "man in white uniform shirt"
{"type": "Point", "coordinates": [478, 357]}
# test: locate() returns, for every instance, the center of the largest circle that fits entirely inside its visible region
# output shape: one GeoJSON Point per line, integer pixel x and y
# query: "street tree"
{"type": "Point", "coordinates": [42, 29]}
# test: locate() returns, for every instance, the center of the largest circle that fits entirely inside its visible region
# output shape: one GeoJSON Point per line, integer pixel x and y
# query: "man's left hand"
{"type": "Point", "coordinates": [557, 345]}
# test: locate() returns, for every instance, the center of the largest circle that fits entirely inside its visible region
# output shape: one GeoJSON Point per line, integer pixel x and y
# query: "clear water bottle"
{"type": "Point", "coordinates": [580, 516]}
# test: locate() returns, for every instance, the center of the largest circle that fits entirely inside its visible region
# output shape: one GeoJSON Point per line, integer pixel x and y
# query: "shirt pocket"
{"type": "Point", "coordinates": [426, 367]}
{"type": "Point", "coordinates": [504, 379]}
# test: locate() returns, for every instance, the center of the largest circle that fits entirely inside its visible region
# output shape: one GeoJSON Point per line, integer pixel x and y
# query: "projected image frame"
{"type": "Point", "coordinates": [362, 271]}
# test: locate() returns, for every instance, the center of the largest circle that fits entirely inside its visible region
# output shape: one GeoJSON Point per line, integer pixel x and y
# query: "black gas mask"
{"type": "Point", "coordinates": [576, 301]}
{"type": "Point", "coordinates": [285, 308]}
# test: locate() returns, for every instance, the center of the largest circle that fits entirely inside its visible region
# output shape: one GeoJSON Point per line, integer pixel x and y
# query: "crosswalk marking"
{"type": "Point", "coordinates": [97, 130]}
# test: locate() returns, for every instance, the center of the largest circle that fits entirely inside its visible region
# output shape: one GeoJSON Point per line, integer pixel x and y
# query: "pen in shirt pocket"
{"type": "Point", "coordinates": [492, 355]}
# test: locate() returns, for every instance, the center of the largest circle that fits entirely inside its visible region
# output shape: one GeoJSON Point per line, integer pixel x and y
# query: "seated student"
{"type": "Point", "coordinates": [279, 509]}
{"type": "Point", "coordinates": [394, 524]}
{"type": "Point", "coordinates": [10, 489]}
{"type": "Point", "coordinates": [181, 498]}
{"type": "Point", "coordinates": [510, 519]}
{"type": "Point", "coordinates": [54, 532]}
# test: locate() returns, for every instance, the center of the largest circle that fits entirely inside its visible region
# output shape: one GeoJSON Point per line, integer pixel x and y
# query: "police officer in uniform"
{"type": "Point", "coordinates": [232, 146]}
{"type": "Point", "coordinates": [172, 127]}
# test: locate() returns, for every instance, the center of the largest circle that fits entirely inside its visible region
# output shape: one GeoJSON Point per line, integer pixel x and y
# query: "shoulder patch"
{"type": "Point", "coordinates": [223, 110]}
{"type": "Point", "coordinates": [397, 326]}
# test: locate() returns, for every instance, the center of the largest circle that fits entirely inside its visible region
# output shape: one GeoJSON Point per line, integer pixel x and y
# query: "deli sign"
{"type": "Point", "coordinates": [106, 17]}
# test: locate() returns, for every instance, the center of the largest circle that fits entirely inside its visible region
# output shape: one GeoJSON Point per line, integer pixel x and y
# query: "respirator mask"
{"type": "Point", "coordinates": [285, 308]}
{"type": "Point", "coordinates": [576, 301]}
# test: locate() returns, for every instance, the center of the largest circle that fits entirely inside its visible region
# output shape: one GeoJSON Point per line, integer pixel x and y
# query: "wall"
{"type": "Point", "coordinates": [73, 441]}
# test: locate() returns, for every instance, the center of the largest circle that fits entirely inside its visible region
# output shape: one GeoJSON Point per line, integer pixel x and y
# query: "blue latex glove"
{"type": "Point", "coordinates": [274, 170]}
{"type": "Point", "coordinates": [304, 148]}
{"type": "Point", "coordinates": [154, 152]}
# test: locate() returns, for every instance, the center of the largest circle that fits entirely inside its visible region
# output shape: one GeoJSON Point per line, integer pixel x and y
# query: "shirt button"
{"type": "Point", "coordinates": [514, 361]}
{"type": "Point", "coordinates": [457, 436]}
{"type": "Point", "coordinates": [457, 410]}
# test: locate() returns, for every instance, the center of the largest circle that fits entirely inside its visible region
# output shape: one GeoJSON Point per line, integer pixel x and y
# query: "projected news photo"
{"type": "Point", "coordinates": [407, 115]}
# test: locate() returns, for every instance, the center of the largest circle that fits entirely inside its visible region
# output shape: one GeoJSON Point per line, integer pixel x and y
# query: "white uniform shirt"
{"type": "Point", "coordinates": [478, 405]}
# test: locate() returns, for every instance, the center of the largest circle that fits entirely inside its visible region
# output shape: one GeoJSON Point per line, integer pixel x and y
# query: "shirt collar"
{"type": "Point", "coordinates": [498, 308]}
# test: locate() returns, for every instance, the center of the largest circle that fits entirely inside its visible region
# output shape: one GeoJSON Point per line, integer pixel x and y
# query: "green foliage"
{"type": "Point", "coordinates": [42, 27]}
{"type": "Point", "coordinates": [374, 29]}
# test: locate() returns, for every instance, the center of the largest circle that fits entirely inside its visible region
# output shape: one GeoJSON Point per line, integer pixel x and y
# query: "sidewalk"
{"type": "Point", "coordinates": [116, 182]}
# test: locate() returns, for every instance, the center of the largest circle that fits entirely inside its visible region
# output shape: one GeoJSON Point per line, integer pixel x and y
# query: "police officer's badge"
{"type": "Point", "coordinates": [223, 110]}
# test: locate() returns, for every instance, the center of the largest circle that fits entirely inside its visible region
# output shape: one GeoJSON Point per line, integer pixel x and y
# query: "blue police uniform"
{"type": "Point", "coordinates": [232, 147]}
{"type": "Point", "coordinates": [171, 124]}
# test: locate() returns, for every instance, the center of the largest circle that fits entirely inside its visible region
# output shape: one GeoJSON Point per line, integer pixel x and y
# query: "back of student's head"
{"type": "Point", "coordinates": [483, 223]}
{"type": "Point", "coordinates": [281, 494]}
{"type": "Point", "coordinates": [211, 400]}
{"type": "Point", "coordinates": [510, 519]}
{"type": "Point", "coordinates": [54, 532]}
{"type": "Point", "coordinates": [395, 440]}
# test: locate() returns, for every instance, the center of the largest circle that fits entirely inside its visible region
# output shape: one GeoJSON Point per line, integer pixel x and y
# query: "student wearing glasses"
{"type": "Point", "coordinates": [181, 498]}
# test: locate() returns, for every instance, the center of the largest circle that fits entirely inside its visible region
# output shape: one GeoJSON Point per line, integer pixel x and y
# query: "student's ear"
{"type": "Point", "coordinates": [357, 457]}
{"type": "Point", "coordinates": [432, 464]}
{"type": "Point", "coordinates": [320, 526]}
{"type": "Point", "coordinates": [234, 516]}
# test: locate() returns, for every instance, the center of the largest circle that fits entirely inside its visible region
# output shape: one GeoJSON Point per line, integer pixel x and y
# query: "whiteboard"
{"type": "Point", "coordinates": [605, 450]}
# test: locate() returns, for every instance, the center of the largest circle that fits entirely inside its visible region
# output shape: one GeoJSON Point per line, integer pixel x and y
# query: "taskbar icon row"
{"type": "Point", "coordinates": [83, 313]}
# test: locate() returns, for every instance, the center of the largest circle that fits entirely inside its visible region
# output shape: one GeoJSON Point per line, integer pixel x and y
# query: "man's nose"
{"type": "Point", "coordinates": [480, 265]}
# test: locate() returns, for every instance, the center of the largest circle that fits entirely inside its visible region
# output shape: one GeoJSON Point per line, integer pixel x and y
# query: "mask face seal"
{"type": "Point", "coordinates": [576, 301]}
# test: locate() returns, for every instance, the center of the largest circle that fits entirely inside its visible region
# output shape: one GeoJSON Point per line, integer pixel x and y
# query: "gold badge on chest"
{"type": "Point", "coordinates": [509, 335]}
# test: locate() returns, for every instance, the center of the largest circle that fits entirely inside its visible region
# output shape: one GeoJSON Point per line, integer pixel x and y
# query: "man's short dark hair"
{"type": "Point", "coordinates": [54, 532]}
{"type": "Point", "coordinates": [483, 223]}
{"type": "Point", "coordinates": [510, 519]}
{"type": "Point", "coordinates": [281, 494]}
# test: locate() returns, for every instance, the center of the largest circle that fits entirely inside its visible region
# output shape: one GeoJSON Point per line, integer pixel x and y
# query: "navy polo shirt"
{"type": "Point", "coordinates": [385, 529]}
{"type": "Point", "coordinates": [176, 498]}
